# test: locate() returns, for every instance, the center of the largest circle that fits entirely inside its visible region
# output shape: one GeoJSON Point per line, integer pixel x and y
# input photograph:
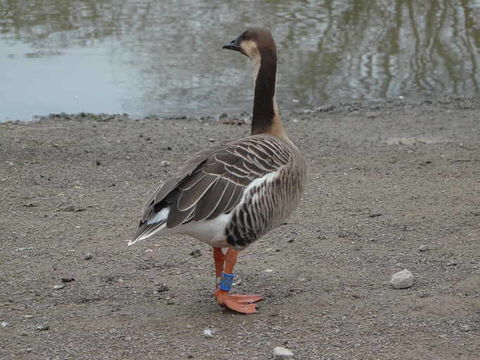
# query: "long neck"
{"type": "Point", "coordinates": [266, 118]}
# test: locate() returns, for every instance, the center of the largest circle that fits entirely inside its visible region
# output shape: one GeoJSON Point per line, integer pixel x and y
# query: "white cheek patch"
{"type": "Point", "coordinates": [250, 48]}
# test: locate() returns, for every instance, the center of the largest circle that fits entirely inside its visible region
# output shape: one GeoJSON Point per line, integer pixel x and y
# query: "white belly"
{"type": "Point", "coordinates": [211, 232]}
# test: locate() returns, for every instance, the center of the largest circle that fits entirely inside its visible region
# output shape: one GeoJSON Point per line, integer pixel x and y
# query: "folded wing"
{"type": "Point", "coordinates": [212, 183]}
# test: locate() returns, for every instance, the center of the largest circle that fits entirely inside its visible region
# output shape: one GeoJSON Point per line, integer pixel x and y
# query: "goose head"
{"type": "Point", "coordinates": [255, 43]}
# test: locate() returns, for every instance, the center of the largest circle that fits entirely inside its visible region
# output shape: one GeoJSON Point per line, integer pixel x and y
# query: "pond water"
{"type": "Point", "coordinates": [147, 57]}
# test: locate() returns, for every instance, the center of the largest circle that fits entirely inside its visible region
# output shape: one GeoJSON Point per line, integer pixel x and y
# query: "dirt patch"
{"type": "Point", "coordinates": [73, 186]}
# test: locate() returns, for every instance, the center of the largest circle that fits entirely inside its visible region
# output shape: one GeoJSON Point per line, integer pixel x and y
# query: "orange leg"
{"type": "Point", "coordinates": [244, 304]}
{"type": "Point", "coordinates": [219, 258]}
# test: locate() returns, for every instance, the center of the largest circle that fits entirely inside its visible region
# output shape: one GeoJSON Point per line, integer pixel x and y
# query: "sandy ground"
{"type": "Point", "coordinates": [384, 179]}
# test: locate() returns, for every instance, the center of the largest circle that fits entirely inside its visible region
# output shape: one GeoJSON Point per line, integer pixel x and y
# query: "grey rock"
{"type": "Point", "coordinates": [196, 253]}
{"type": "Point", "coordinates": [42, 327]}
{"type": "Point", "coordinates": [423, 248]}
{"type": "Point", "coordinates": [402, 279]}
{"type": "Point", "coordinates": [162, 288]}
{"type": "Point", "coordinates": [280, 353]}
{"type": "Point", "coordinates": [208, 333]}
{"type": "Point", "coordinates": [22, 249]}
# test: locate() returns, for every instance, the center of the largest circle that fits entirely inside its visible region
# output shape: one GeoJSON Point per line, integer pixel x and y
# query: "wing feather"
{"type": "Point", "coordinates": [177, 217]}
{"type": "Point", "coordinates": [192, 180]}
{"type": "Point", "coordinates": [222, 205]}
{"type": "Point", "coordinates": [190, 197]}
{"type": "Point", "coordinates": [210, 200]}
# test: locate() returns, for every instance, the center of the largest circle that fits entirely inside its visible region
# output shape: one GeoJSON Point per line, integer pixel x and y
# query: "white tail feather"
{"type": "Point", "coordinates": [160, 217]}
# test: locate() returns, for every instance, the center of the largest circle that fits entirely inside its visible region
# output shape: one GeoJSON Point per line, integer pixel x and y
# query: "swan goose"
{"type": "Point", "coordinates": [230, 195]}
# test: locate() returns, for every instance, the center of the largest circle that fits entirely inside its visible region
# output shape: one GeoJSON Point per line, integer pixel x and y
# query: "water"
{"type": "Point", "coordinates": [164, 57]}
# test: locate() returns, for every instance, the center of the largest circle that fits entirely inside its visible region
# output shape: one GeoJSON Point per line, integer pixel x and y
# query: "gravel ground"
{"type": "Point", "coordinates": [392, 185]}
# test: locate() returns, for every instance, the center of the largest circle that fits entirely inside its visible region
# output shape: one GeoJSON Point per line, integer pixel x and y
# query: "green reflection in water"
{"type": "Point", "coordinates": [164, 57]}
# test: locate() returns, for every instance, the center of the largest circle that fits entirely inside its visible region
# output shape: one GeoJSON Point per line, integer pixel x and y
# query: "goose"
{"type": "Point", "coordinates": [232, 194]}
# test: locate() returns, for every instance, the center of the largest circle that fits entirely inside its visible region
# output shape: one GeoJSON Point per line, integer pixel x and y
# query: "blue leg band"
{"type": "Point", "coordinates": [226, 281]}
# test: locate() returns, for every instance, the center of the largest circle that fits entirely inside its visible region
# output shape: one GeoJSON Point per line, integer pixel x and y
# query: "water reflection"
{"type": "Point", "coordinates": [164, 57]}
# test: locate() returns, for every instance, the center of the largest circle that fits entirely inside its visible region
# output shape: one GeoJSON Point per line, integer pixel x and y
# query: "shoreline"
{"type": "Point", "coordinates": [347, 106]}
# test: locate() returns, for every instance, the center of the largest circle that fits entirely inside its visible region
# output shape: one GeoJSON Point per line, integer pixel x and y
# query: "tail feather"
{"type": "Point", "coordinates": [147, 228]}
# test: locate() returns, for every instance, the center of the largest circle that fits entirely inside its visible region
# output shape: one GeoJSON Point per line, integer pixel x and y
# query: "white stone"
{"type": "Point", "coordinates": [207, 333]}
{"type": "Point", "coordinates": [280, 353]}
{"type": "Point", "coordinates": [423, 248]}
{"type": "Point", "coordinates": [402, 279]}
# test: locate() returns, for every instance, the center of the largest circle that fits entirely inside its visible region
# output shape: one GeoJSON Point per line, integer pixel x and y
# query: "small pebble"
{"type": "Point", "coordinates": [4, 324]}
{"type": "Point", "coordinates": [280, 353]}
{"type": "Point", "coordinates": [42, 327]}
{"type": "Point", "coordinates": [22, 249]}
{"type": "Point", "coordinates": [207, 333]}
{"type": "Point", "coordinates": [162, 288]}
{"type": "Point", "coordinates": [58, 287]}
{"type": "Point", "coordinates": [402, 279]}
{"type": "Point", "coordinates": [88, 256]}
{"type": "Point", "coordinates": [196, 253]}
{"type": "Point", "coordinates": [165, 163]}
{"type": "Point", "coordinates": [423, 248]}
